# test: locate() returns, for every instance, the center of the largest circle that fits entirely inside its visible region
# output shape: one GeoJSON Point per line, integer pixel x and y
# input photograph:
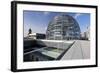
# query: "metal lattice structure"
{"type": "Point", "coordinates": [63, 27]}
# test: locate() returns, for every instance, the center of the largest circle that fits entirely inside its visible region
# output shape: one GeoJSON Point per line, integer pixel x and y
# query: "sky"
{"type": "Point", "coordinates": [39, 20]}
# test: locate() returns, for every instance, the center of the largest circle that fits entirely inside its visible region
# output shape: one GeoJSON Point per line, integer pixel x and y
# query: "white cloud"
{"type": "Point", "coordinates": [77, 15]}
{"type": "Point", "coordinates": [85, 27]}
{"type": "Point", "coordinates": [46, 13]}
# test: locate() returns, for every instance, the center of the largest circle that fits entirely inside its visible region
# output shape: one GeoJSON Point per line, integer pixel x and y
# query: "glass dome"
{"type": "Point", "coordinates": [63, 27]}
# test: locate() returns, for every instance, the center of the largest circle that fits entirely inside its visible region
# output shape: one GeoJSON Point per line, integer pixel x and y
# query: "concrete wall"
{"type": "Point", "coordinates": [49, 43]}
{"type": "Point", "coordinates": [57, 44]}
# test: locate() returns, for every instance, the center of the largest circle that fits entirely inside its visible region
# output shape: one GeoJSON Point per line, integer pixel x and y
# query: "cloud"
{"type": "Point", "coordinates": [77, 15]}
{"type": "Point", "coordinates": [85, 27]}
{"type": "Point", "coordinates": [46, 13]}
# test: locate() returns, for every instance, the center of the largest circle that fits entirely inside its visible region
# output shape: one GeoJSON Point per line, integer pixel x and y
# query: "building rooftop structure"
{"type": "Point", "coordinates": [36, 36]}
{"type": "Point", "coordinates": [58, 50]}
{"type": "Point", "coordinates": [47, 49]}
{"type": "Point", "coordinates": [86, 34]}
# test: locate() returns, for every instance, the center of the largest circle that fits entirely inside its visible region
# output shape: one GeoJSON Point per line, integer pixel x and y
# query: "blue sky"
{"type": "Point", "coordinates": [38, 20]}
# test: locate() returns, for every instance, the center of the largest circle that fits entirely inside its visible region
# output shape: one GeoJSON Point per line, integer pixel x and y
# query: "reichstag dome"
{"type": "Point", "coordinates": [63, 27]}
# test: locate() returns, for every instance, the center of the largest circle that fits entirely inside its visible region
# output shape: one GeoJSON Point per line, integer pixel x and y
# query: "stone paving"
{"type": "Point", "coordinates": [79, 50]}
